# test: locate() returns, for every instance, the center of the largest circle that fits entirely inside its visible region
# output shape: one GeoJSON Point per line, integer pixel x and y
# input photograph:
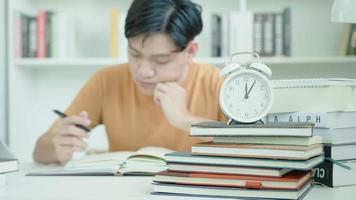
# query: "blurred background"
{"type": "Point", "coordinates": [49, 48]}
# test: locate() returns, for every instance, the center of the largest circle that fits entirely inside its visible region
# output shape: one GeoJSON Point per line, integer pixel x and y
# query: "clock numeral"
{"type": "Point", "coordinates": [230, 105]}
{"type": "Point", "coordinates": [246, 114]}
{"type": "Point", "coordinates": [262, 105]}
{"type": "Point", "coordinates": [237, 82]}
{"type": "Point", "coordinates": [231, 89]}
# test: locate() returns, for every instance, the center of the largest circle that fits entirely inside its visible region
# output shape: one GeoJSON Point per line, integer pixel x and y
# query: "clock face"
{"type": "Point", "coordinates": [246, 96]}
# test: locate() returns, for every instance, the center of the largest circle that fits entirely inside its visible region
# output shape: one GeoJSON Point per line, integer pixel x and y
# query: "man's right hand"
{"type": "Point", "coordinates": [68, 138]}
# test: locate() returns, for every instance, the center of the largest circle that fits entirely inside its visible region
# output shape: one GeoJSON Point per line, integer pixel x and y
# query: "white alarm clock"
{"type": "Point", "coordinates": [246, 95]}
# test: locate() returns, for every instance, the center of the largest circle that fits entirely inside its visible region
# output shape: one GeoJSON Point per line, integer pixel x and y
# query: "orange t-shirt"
{"type": "Point", "coordinates": [133, 120]}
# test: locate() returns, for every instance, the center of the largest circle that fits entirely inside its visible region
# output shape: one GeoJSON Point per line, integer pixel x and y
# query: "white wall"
{"type": "Point", "coordinates": [2, 73]}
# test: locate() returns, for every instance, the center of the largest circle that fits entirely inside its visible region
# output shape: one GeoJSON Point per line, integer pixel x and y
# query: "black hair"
{"type": "Point", "coordinates": [180, 19]}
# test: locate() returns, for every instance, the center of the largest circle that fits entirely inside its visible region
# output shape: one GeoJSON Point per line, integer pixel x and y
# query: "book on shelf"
{"type": "Point", "coordinates": [291, 181]}
{"type": "Point", "coordinates": [351, 40]}
{"type": "Point", "coordinates": [145, 161]}
{"type": "Point", "coordinates": [335, 119]}
{"type": "Point", "coordinates": [189, 158]}
{"type": "Point", "coordinates": [281, 140]}
{"type": "Point", "coordinates": [46, 34]}
{"type": "Point", "coordinates": [333, 175]}
{"type": "Point", "coordinates": [314, 95]}
{"type": "Point", "coordinates": [200, 191]}
{"type": "Point", "coordinates": [289, 152]}
{"type": "Point", "coordinates": [8, 163]}
{"type": "Point", "coordinates": [266, 33]}
{"type": "Point", "coordinates": [215, 128]}
{"type": "Point", "coordinates": [336, 135]}
{"type": "Point", "coordinates": [226, 169]}
{"type": "Point", "coordinates": [118, 41]}
{"type": "Point", "coordinates": [340, 151]}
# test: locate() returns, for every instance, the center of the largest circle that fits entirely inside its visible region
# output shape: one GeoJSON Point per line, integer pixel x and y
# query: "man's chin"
{"type": "Point", "coordinates": [145, 91]}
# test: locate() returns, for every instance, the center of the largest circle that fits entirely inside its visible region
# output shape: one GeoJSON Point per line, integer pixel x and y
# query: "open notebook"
{"type": "Point", "coordinates": [314, 95]}
{"type": "Point", "coordinates": [145, 161]}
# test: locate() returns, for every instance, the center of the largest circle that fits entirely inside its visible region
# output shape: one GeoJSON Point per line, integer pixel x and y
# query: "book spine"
{"type": "Point", "coordinates": [268, 37]}
{"type": "Point", "coordinates": [215, 51]}
{"type": "Point", "coordinates": [258, 34]}
{"type": "Point", "coordinates": [287, 32]}
{"type": "Point", "coordinates": [278, 34]}
{"type": "Point", "coordinates": [32, 37]}
{"type": "Point", "coordinates": [320, 119]}
{"type": "Point", "coordinates": [48, 38]}
{"type": "Point", "coordinates": [41, 34]}
{"type": "Point", "coordinates": [323, 173]}
{"type": "Point", "coordinates": [25, 36]}
{"type": "Point", "coordinates": [351, 45]}
{"type": "Point", "coordinates": [114, 33]}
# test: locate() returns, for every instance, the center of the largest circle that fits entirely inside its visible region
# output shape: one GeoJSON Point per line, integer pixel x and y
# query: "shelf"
{"type": "Point", "coordinates": [99, 62]}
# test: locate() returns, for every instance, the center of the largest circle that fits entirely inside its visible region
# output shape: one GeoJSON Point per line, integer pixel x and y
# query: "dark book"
{"type": "Point", "coordinates": [333, 175]}
{"type": "Point", "coordinates": [49, 29]}
{"type": "Point", "coordinates": [351, 44]}
{"type": "Point", "coordinates": [8, 163]}
{"type": "Point", "coordinates": [216, 36]}
{"type": "Point", "coordinates": [32, 37]}
{"type": "Point", "coordinates": [287, 32]}
{"type": "Point", "coordinates": [340, 151]}
{"type": "Point", "coordinates": [25, 36]}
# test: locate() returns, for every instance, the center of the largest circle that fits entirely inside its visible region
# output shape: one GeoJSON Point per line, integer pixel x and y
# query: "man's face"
{"type": "Point", "coordinates": [154, 59]}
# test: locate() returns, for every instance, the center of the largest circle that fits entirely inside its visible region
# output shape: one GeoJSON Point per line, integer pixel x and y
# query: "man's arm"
{"type": "Point", "coordinates": [62, 139]}
{"type": "Point", "coordinates": [172, 98]}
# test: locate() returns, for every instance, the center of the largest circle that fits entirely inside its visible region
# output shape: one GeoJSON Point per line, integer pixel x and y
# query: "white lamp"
{"type": "Point", "coordinates": [344, 11]}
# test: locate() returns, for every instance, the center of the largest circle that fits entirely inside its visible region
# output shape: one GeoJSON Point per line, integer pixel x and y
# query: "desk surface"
{"type": "Point", "coordinates": [20, 187]}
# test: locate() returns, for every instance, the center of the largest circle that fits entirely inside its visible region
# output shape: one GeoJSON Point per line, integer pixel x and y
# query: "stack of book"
{"type": "Point", "coordinates": [272, 160]}
{"type": "Point", "coordinates": [7, 164]}
{"type": "Point", "coordinates": [338, 132]}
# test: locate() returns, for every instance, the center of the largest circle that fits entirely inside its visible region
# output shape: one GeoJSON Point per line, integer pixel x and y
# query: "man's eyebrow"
{"type": "Point", "coordinates": [133, 48]}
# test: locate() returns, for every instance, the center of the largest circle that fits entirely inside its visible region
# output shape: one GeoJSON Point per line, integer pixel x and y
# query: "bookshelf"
{"type": "Point", "coordinates": [36, 86]}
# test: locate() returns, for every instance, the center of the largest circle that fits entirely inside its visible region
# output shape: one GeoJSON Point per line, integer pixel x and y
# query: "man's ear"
{"type": "Point", "coordinates": [192, 48]}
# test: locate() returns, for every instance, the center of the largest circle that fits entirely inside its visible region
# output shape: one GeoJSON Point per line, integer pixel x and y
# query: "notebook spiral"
{"type": "Point", "coordinates": [312, 83]}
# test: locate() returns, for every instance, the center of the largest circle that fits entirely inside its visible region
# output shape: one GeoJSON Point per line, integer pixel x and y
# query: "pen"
{"type": "Point", "coordinates": [63, 115]}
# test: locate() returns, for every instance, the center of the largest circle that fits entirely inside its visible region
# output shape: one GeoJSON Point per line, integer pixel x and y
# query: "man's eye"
{"type": "Point", "coordinates": [135, 55]}
{"type": "Point", "coordinates": [162, 62]}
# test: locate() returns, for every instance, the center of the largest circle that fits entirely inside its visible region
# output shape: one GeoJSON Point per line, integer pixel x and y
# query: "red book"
{"type": "Point", "coordinates": [291, 181]}
{"type": "Point", "coordinates": [41, 34]}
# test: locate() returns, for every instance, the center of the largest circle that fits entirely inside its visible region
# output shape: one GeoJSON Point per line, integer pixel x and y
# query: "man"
{"type": "Point", "coordinates": [152, 100]}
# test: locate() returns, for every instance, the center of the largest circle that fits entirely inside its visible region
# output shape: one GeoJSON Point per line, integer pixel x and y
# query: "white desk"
{"type": "Point", "coordinates": [20, 187]}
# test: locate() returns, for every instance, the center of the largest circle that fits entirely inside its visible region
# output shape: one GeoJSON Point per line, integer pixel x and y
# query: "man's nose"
{"type": "Point", "coordinates": [146, 70]}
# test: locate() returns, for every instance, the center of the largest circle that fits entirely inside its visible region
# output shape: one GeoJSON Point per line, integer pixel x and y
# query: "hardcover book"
{"type": "Point", "coordinates": [291, 181]}
{"type": "Point", "coordinates": [214, 128]}
{"type": "Point", "coordinates": [289, 152]}
{"type": "Point", "coordinates": [187, 157]}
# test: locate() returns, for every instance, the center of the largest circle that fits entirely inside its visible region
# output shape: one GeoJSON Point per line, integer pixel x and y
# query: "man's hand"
{"type": "Point", "coordinates": [172, 99]}
{"type": "Point", "coordinates": [67, 138]}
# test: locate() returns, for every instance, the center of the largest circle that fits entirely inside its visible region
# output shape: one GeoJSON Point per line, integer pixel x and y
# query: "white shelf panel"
{"type": "Point", "coordinates": [100, 62]}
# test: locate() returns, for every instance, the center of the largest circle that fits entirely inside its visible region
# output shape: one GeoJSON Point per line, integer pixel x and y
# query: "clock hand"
{"type": "Point", "coordinates": [246, 96]}
{"type": "Point", "coordinates": [251, 88]}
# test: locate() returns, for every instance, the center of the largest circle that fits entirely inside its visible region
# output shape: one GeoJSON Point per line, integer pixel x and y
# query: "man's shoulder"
{"type": "Point", "coordinates": [205, 72]}
{"type": "Point", "coordinates": [114, 72]}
